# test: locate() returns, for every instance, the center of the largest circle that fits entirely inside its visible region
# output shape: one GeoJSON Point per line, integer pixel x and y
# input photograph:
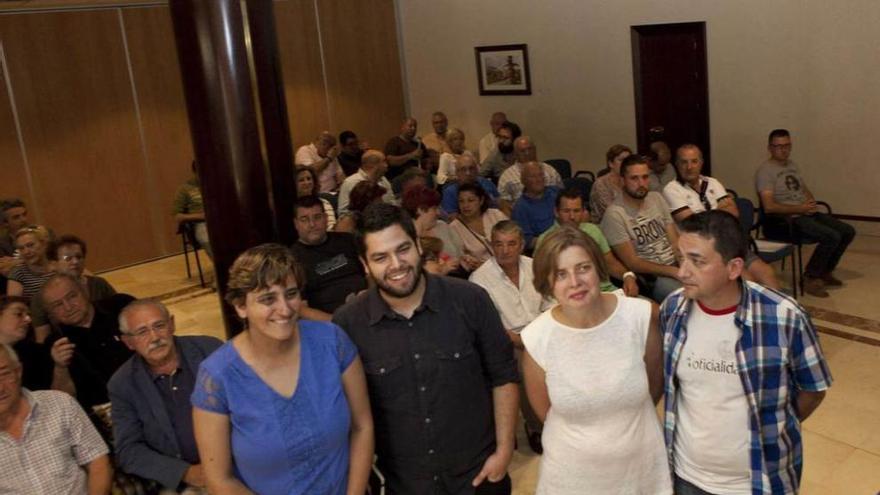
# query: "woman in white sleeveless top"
{"type": "Point", "coordinates": [592, 365]}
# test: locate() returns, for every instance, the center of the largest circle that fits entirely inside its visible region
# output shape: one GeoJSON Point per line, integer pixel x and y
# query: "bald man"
{"type": "Point", "coordinates": [510, 185]}
{"type": "Point", "coordinates": [534, 210]}
{"type": "Point", "coordinates": [374, 166]}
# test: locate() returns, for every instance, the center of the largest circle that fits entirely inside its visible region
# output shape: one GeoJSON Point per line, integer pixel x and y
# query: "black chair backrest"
{"type": "Point", "coordinates": [562, 166]}
{"type": "Point", "coordinates": [586, 173]}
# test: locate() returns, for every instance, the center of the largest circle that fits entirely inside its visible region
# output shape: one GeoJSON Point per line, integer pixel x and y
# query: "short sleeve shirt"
{"type": "Point", "coordinates": [333, 271]}
{"type": "Point", "coordinates": [784, 180]}
{"type": "Point", "coordinates": [279, 444]}
{"type": "Point", "coordinates": [510, 184]}
{"type": "Point", "coordinates": [397, 146]}
{"type": "Point", "coordinates": [680, 196]}
{"type": "Point", "coordinates": [644, 227]}
{"type": "Point", "coordinates": [58, 439]}
{"type": "Point", "coordinates": [308, 155]}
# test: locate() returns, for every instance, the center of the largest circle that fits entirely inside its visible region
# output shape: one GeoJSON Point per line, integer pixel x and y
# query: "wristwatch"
{"type": "Point", "coordinates": [628, 274]}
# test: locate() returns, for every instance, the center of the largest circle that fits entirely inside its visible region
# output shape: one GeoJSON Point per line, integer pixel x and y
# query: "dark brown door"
{"type": "Point", "coordinates": [672, 94]}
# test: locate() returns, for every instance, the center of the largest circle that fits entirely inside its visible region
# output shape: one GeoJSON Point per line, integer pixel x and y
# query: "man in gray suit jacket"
{"type": "Point", "coordinates": [152, 415]}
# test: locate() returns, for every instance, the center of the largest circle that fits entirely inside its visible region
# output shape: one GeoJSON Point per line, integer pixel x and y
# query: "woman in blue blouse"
{"type": "Point", "coordinates": [281, 408]}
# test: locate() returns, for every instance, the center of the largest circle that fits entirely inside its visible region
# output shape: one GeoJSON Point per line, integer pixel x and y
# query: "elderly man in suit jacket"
{"type": "Point", "coordinates": [152, 416]}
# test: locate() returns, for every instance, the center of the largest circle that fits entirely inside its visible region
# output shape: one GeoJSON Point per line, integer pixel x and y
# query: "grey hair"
{"type": "Point", "coordinates": [140, 303]}
{"type": "Point", "coordinates": [507, 227]}
{"type": "Point", "coordinates": [13, 356]}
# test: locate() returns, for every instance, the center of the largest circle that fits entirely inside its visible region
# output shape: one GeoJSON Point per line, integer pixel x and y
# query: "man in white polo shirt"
{"type": "Point", "coordinates": [507, 277]}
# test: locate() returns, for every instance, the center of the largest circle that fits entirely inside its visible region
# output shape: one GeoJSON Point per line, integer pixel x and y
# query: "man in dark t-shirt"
{"type": "Point", "coordinates": [405, 150]}
{"type": "Point", "coordinates": [333, 271]}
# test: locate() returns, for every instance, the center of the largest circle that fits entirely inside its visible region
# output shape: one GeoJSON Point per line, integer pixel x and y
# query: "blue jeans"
{"type": "Point", "coordinates": [833, 237]}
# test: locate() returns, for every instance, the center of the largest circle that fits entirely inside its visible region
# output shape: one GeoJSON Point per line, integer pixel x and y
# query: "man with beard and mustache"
{"type": "Point", "coordinates": [440, 368]}
{"type": "Point", "coordinates": [152, 415]}
{"type": "Point", "coordinates": [503, 156]}
{"type": "Point", "coordinates": [641, 231]}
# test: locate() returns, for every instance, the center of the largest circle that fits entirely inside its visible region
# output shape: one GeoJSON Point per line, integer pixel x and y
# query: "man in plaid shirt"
{"type": "Point", "coordinates": [47, 443]}
{"type": "Point", "coordinates": [743, 369]}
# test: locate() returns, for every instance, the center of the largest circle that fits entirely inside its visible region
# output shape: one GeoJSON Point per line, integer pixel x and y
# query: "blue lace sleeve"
{"type": "Point", "coordinates": [209, 393]}
{"type": "Point", "coordinates": [345, 349]}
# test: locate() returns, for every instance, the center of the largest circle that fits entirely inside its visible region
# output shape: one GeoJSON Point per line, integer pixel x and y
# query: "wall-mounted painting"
{"type": "Point", "coordinates": [503, 70]}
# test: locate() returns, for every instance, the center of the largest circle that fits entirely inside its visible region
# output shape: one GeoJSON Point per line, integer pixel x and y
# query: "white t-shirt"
{"type": "Point", "coordinates": [602, 434]}
{"type": "Point", "coordinates": [518, 306]}
{"type": "Point", "coordinates": [307, 155]}
{"type": "Point", "coordinates": [711, 448]}
{"type": "Point", "coordinates": [446, 169]}
{"type": "Point", "coordinates": [488, 143]}
{"type": "Point", "coordinates": [680, 196]}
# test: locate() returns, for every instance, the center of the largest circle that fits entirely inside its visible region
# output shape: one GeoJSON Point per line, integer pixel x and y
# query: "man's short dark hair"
{"type": "Point", "coordinates": [64, 240]}
{"type": "Point", "coordinates": [514, 129]}
{"type": "Point", "coordinates": [721, 227]}
{"type": "Point", "coordinates": [345, 136]}
{"type": "Point", "coordinates": [777, 133]}
{"type": "Point", "coordinates": [570, 193]}
{"type": "Point", "coordinates": [304, 202]}
{"type": "Point", "coordinates": [379, 216]}
{"type": "Point", "coordinates": [8, 204]}
{"type": "Point", "coordinates": [630, 161]}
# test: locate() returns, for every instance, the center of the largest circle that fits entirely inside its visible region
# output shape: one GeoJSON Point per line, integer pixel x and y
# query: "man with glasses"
{"type": "Point", "coordinates": [87, 345]}
{"type": "Point", "coordinates": [68, 253]}
{"type": "Point", "coordinates": [152, 415]}
{"type": "Point", "coordinates": [784, 194]}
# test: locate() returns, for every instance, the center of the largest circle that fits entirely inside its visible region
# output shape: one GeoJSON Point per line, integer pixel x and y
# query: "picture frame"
{"type": "Point", "coordinates": [503, 70]}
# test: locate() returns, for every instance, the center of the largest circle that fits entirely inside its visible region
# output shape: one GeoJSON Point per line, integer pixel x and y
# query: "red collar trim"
{"type": "Point", "coordinates": [717, 312]}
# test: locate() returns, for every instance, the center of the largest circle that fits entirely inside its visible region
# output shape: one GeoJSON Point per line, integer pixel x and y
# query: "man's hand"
{"type": "Point", "coordinates": [417, 154]}
{"type": "Point", "coordinates": [495, 467]}
{"type": "Point", "coordinates": [62, 352]}
{"type": "Point", "coordinates": [810, 207]}
{"type": "Point", "coordinates": [469, 262]}
{"type": "Point", "coordinates": [333, 152]}
{"type": "Point", "coordinates": [194, 476]}
{"type": "Point", "coordinates": [630, 286]}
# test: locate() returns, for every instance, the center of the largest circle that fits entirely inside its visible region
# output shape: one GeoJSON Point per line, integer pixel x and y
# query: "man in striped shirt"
{"type": "Point", "coordinates": [743, 369]}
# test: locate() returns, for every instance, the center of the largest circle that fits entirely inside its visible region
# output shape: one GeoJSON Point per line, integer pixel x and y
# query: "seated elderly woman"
{"type": "Point", "coordinates": [473, 225]}
{"type": "Point", "coordinates": [364, 194]}
{"type": "Point", "coordinates": [282, 407]}
{"type": "Point", "coordinates": [27, 278]}
{"type": "Point", "coordinates": [423, 205]}
{"type": "Point", "coordinates": [307, 185]}
{"type": "Point", "coordinates": [448, 161]}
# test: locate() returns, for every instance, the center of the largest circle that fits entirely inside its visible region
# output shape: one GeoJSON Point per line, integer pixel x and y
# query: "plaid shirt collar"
{"type": "Point", "coordinates": [775, 434]}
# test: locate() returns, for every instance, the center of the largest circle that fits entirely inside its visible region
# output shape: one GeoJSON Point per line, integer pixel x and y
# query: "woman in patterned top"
{"type": "Point", "coordinates": [27, 278]}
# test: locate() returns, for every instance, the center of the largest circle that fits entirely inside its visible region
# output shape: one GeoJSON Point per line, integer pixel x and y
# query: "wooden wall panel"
{"type": "Point", "coordinates": [299, 50]}
{"type": "Point", "coordinates": [73, 93]}
{"type": "Point", "coordinates": [163, 114]}
{"type": "Point", "coordinates": [363, 67]}
{"type": "Point", "coordinates": [13, 181]}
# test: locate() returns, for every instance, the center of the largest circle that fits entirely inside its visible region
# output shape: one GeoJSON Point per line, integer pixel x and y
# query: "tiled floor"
{"type": "Point", "coordinates": [841, 439]}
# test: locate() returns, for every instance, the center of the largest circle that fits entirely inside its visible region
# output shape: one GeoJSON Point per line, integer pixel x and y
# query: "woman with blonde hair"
{"type": "Point", "coordinates": [593, 372]}
{"type": "Point", "coordinates": [27, 278]}
{"type": "Point", "coordinates": [449, 160]}
{"type": "Point", "coordinates": [282, 407]}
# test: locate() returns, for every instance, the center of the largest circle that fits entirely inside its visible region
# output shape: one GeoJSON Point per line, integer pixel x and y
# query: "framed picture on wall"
{"type": "Point", "coordinates": [503, 70]}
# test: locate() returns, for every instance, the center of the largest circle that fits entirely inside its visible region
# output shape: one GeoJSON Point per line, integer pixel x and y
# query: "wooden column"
{"type": "Point", "coordinates": [227, 51]}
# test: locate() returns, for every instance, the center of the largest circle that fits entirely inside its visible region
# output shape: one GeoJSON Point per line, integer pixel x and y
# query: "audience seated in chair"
{"type": "Point", "coordinates": [329, 259]}
{"type": "Point", "coordinates": [422, 204]}
{"type": "Point", "coordinates": [374, 168]}
{"type": "Point", "coordinates": [436, 141]}
{"type": "Point", "coordinates": [466, 172]}
{"type": "Point", "coordinates": [510, 184]}
{"type": "Point", "coordinates": [502, 156]}
{"type": "Point", "coordinates": [364, 194]}
{"type": "Point", "coordinates": [785, 195]}
{"type": "Point", "coordinates": [570, 210]}
{"type": "Point", "coordinates": [48, 445]}
{"type": "Point", "coordinates": [404, 150]}
{"type": "Point", "coordinates": [489, 142]}
{"type": "Point", "coordinates": [641, 231]}
{"type": "Point", "coordinates": [508, 278]}
{"type": "Point", "coordinates": [307, 185]}
{"type": "Point", "coordinates": [448, 160]}
{"type": "Point", "coordinates": [662, 171]}
{"type": "Point", "coordinates": [13, 217]}
{"type": "Point", "coordinates": [533, 211]}
{"type": "Point", "coordinates": [693, 192]}
{"type": "Point", "coordinates": [38, 369]}
{"type": "Point", "coordinates": [152, 416]}
{"type": "Point", "coordinates": [68, 254]}
{"type": "Point", "coordinates": [608, 186]}
{"type": "Point", "coordinates": [321, 155]}
{"type": "Point", "coordinates": [473, 225]}
{"type": "Point", "coordinates": [350, 151]}
{"type": "Point", "coordinates": [27, 277]}
{"type": "Point", "coordinates": [190, 207]}
{"type": "Point", "coordinates": [87, 344]}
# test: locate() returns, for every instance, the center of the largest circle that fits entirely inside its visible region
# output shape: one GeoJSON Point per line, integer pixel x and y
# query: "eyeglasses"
{"type": "Point", "coordinates": [159, 327]}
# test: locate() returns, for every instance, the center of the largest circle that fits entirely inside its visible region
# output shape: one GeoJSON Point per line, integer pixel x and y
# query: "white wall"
{"type": "Point", "coordinates": [811, 66]}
